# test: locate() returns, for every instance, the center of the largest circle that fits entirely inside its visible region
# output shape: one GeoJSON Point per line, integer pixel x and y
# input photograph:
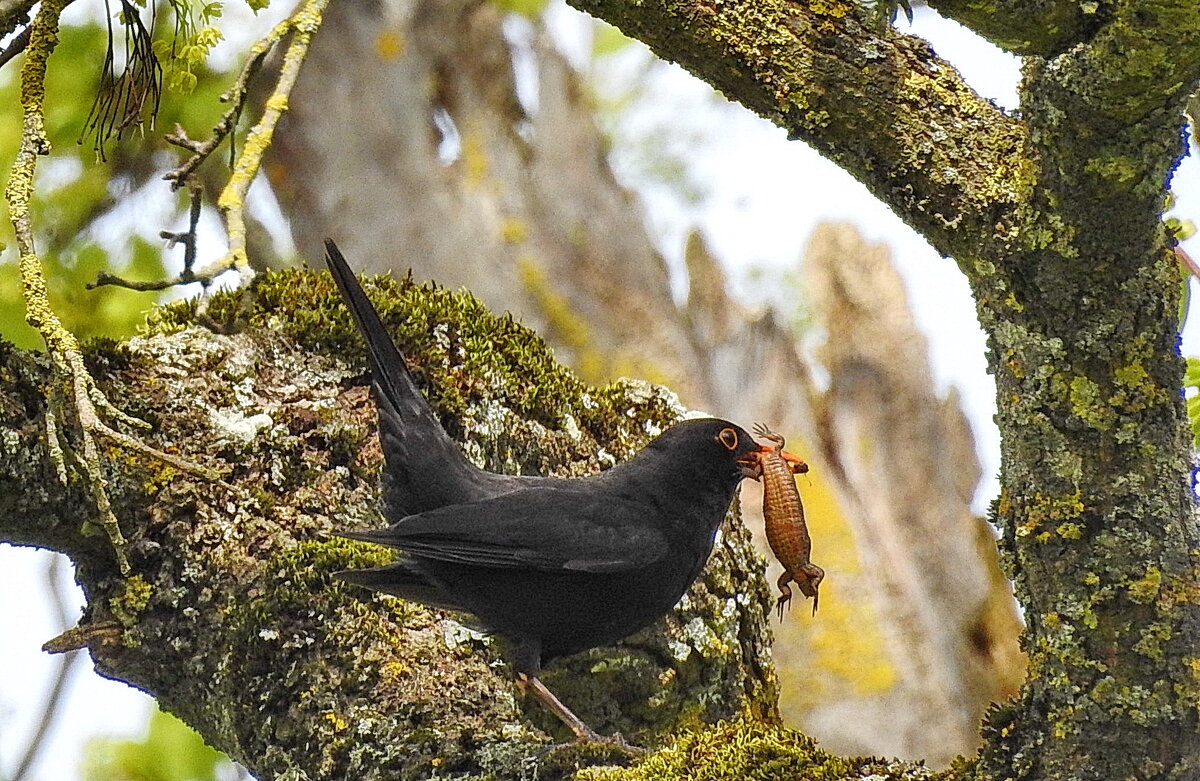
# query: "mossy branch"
{"type": "Point", "coordinates": [328, 682]}
{"type": "Point", "coordinates": [1039, 27]}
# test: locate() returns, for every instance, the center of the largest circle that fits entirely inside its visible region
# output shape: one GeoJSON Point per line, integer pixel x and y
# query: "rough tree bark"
{"type": "Point", "coordinates": [232, 620]}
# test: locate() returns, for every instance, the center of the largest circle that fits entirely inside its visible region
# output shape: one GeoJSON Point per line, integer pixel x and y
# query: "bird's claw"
{"type": "Point", "coordinates": [616, 742]}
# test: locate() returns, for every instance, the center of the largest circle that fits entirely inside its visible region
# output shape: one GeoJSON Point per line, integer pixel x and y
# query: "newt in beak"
{"type": "Point", "coordinates": [752, 464]}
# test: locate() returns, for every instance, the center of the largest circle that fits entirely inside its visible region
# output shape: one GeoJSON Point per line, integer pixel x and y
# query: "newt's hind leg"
{"type": "Point", "coordinates": [785, 593]}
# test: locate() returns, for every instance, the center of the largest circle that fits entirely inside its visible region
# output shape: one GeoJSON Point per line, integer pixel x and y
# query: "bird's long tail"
{"type": "Point", "coordinates": [388, 370]}
{"type": "Point", "coordinates": [424, 467]}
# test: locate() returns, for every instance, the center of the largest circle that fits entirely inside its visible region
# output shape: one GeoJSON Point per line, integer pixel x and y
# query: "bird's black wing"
{"type": "Point", "coordinates": [424, 468]}
{"type": "Point", "coordinates": [541, 529]}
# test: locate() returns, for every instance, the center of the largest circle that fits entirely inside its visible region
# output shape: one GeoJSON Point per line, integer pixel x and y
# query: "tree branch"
{"type": "Point", "coordinates": [1027, 27]}
{"type": "Point", "coordinates": [230, 617]}
{"type": "Point", "coordinates": [886, 109]}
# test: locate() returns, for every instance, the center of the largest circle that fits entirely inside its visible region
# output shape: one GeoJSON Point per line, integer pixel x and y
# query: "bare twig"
{"type": "Point", "coordinates": [15, 46]}
{"type": "Point", "coordinates": [303, 23]}
{"type": "Point", "coordinates": [301, 26]}
{"type": "Point", "coordinates": [186, 238]}
{"type": "Point", "coordinates": [202, 149]}
{"type": "Point", "coordinates": [236, 96]}
{"type": "Point", "coordinates": [85, 636]}
{"type": "Point", "coordinates": [14, 14]}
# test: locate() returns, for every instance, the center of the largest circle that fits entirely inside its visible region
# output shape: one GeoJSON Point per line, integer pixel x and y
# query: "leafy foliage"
{"type": "Point", "coordinates": [80, 230]}
{"type": "Point", "coordinates": [171, 751]}
{"type": "Point", "coordinates": [195, 35]}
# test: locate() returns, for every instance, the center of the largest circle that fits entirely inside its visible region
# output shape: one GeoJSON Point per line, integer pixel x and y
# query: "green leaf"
{"type": "Point", "coordinates": [1185, 300]}
{"type": "Point", "coordinates": [1191, 376]}
{"type": "Point", "coordinates": [171, 751]}
{"type": "Point", "coordinates": [607, 39]}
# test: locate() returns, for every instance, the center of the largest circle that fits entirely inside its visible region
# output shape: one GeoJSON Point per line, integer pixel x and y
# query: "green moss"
{"type": "Point", "coordinates": [747, 750]}
{"type": "Point", "coordinates": [468, 360]}
{"type": "Point", "coordinates": [135, 594]}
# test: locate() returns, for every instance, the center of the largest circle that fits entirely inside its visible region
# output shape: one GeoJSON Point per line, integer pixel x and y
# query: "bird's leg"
{"type": "Point", "coordinates": [582, 731]}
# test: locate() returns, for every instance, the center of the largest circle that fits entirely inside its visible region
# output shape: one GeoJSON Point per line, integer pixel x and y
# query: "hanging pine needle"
{"type": "Point", "coordinates": [123, 100]}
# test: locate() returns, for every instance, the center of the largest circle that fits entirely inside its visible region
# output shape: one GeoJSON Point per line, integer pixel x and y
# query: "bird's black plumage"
{"type": "Point", "coordinates": [554, 566]}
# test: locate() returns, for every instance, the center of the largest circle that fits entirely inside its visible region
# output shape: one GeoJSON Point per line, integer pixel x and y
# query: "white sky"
{"type": "Point", "coordinates": [765, 196]}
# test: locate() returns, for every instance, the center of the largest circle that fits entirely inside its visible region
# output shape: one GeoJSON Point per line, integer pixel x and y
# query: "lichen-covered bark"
{"type": "Point", "coordinates": [1080, 303]}
{"type": "Point", "coordinates": [231, 618]}
{"type": "Point", "coordinates": [1037, 27]}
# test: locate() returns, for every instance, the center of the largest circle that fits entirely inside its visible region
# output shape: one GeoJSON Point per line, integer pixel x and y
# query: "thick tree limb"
{"type": "Point", "coordinates": [1027, 27]}
{"type": "Point", "coordinates": [230, 617]}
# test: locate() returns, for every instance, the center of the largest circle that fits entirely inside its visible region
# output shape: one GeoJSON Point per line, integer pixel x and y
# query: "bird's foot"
{"type": "Point", "coordinates": [585, 736]}
{"type": "Point", "coordinates": [618, 741]}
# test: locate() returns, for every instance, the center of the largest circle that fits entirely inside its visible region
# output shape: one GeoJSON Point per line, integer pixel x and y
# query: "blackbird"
{"type": "Point", "coordinates": [552, 566]}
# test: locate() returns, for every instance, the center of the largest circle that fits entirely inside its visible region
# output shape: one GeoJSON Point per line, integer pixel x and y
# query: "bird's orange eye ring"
{"type": "Point", "coordinates": [729, 438]}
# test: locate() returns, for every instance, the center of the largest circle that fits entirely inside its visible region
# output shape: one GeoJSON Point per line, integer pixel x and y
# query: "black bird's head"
{"type": "Point", "coordinates": [709, 446]}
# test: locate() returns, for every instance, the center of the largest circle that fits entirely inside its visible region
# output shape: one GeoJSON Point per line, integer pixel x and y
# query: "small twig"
{"type": "Point", "coordinates": [65, 668]}
{"type": "Point", "coordinates": [303, 23]}
{"type": "Point", "coordinates": [187, 238]}
{"type": "Point", "coordinates": [205, 276]}
{"type": "Point", "coordinates": [236, 95]}
{"type": "Point", "coordinates": [84, 636]}
{"type": "Point", "coordinates": [182, 464]}
{"type": "Point", "coordinates": [14, 13]}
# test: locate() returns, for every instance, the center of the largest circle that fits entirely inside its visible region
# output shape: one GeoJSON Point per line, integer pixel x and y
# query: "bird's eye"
{"type": "Point", "coordinates": [729, 438]}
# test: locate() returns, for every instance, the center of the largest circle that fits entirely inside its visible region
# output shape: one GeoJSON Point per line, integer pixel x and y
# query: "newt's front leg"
{"type": "Point", "coordinates": [785, 593]}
